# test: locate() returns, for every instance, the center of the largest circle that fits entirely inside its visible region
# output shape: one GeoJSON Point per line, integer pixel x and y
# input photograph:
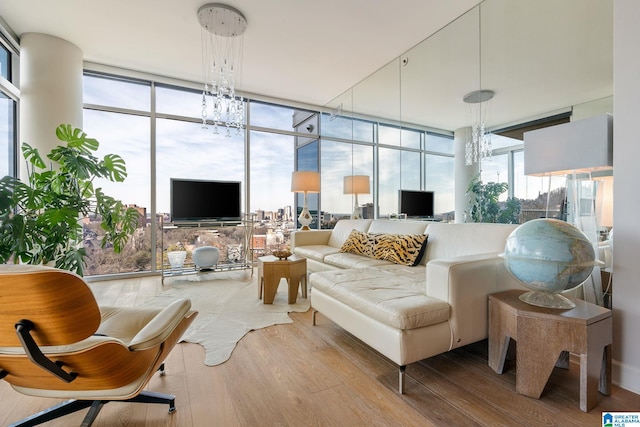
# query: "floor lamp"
{"type": "Point", "coordinates": [356, 184]}
{"type": "Point", "coordinates": [305, 182]}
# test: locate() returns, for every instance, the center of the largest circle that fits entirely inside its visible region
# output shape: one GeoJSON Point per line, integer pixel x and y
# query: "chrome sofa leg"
{"type": "Point", "coordinates": [313, 317]}
{"type": "Point", "coordinates": [401, 372]}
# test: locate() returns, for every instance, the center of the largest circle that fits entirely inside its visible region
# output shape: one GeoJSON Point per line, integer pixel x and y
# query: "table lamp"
{"type": "Point", "coordinates": [356, 184]}
{"type": "Point", "coordinates": [305, 182]}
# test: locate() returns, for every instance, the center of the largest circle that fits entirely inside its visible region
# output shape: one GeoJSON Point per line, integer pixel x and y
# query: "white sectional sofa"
{"type": "Point", "coordinates": [408, 313]}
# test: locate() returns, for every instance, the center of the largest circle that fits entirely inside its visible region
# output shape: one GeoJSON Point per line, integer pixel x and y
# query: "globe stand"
{"type": "Point", "coordinates": [547, 300]}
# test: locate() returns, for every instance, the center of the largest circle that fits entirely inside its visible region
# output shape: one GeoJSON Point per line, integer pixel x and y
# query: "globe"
{"type": "Point", "coordinates": [549, 256]}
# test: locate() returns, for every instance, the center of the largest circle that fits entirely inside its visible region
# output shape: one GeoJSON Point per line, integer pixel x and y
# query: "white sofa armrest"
{"type": "Point", "coordinates": [465, 283]}
{"type": "Point", "coordinates": [310, 237]}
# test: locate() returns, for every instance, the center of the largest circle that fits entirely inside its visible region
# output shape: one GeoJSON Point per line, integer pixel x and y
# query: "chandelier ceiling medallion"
{"type": "Point", "coordinates": [222, 45]}
{"type": "Point", "coordinates": [478, 146]}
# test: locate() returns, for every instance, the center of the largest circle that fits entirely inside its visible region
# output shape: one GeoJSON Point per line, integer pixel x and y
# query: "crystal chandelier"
{"type": "Point", "coordinates": [222, 44]}
{"type": "Point", "coordinates": [478, 145]}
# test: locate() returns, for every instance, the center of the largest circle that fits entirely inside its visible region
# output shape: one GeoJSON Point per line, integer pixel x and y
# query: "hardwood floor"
{"type": "Point", "coordinates": [303, 375]}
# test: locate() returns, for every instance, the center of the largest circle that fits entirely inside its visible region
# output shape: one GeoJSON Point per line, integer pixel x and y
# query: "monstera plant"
{"type": "Point", "coordinates": [40, 221]}
{"type": "Point", "coordinates": [483, 204]}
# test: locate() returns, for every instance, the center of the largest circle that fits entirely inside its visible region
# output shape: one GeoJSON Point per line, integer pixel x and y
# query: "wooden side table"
{"type": "Point", "coordinates": [541, 334]}
{"type": "Point", "coordinates": [272, 269]}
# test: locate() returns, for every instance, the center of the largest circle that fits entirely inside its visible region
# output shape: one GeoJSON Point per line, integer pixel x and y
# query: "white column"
{"type": "Point", "coordinates": [50, 89]}
{"type": "Point", "coordinates": [463, 173]}
{"type": "Point", "coordinates": [626, 233]}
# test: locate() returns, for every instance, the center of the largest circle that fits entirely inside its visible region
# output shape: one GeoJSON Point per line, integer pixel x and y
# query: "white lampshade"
{"type": "Point", "coordinates": [308, 181]}
{"type": "Point", "coordinates": [604, 202]}
{"type": "Point", "coordinates": [581, 146]}
{"type": "Point", "coordinates": [356, 184]}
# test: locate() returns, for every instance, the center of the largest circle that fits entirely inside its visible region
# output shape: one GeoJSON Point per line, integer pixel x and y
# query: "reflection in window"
{"type": "Point", "coordinates": [439, 172]}
{"type": "Point", "coordinates": [397, 170]}
{"type": "Point", "coordinates": [280, 117]}
{"type": "Point", "coordinates": [439, 143]}
{"type": "Point", "coordinates": [532, 192]}
{"type": "Point", "coordinates": [339, 159]}
{"type": "Point", "coordinates": [496, 169]}
{"type": "Point", "coordinates": [499, 142]}
{"type": "Point", "coordinates": [347, 128]}
{"type": "Point", "coordinates": [307, 160]}
{"type": "Point", "coordinates": [395, 136]}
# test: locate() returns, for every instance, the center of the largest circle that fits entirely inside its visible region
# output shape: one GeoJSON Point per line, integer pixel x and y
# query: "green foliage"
{"type": "Point", "coordinates": [40, 221]}
{"type": "Point", "coordinates": [484, 205]}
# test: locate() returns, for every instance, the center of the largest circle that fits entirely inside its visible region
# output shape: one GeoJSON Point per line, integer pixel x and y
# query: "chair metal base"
{"type": "Point", "coordinates": [71, 406]}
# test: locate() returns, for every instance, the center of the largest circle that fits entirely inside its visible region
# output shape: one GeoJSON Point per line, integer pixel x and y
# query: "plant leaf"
{"type": "Point", "coordinates": [81, 165]}
{"type": "Point", "coordinates": [76, 138]}
{"type": "Point", "coordinates": [32, 156]}
{"type": "Point", "coordinates": [116, 167]}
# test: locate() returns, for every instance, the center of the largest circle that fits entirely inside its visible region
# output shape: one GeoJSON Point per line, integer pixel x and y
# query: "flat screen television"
{"type": "Point", "coordinates": [200, 200]}
{"type": "Point", "coordinates": [416, 204]}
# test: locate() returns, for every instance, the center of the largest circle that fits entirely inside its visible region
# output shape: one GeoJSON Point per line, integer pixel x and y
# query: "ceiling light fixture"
{"type": "Point", "coordinates": [222, 45]}
{"type": "Point", "coordinates": [478, 145]}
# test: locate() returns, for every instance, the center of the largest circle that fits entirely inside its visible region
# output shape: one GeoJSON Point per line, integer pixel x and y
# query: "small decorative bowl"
{"type": "Point", "coordinates": [281, 254]}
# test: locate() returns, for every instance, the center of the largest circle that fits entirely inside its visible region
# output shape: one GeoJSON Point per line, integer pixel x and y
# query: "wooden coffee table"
{"type": "Point", "coordinates": [272, 269]}
{"type": "Point", "coordinates": [542, 334]}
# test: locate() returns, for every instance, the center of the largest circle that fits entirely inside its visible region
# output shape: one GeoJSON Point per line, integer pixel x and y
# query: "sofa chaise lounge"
{"type": "Point", "coordinates": [407, 313]}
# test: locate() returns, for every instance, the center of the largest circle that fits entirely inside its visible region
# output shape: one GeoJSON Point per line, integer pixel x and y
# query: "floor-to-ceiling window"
{"type": "Point", "coordinates": [157, 129]}
{"type": "Point", "coordinates": [117, 114]}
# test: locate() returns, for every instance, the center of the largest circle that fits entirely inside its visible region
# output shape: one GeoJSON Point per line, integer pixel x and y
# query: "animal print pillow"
{"type": "Point", "coordinates": [404, 249]}
{"type": "Point", "coordinates": [360, 243]}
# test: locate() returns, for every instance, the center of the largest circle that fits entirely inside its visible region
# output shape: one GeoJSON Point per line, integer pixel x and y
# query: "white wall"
{"type": "Point", "coordinates": [626, 216]}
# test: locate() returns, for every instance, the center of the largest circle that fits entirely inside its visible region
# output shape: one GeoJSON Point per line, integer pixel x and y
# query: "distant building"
{"type": "Point", "coordinates": [259, 244]}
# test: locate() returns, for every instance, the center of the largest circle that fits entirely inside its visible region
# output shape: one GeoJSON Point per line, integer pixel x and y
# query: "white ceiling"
{"type": "Point", "coordinates": [304, 50]}
{"type": "Point", "coordinates": [538, 55]}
